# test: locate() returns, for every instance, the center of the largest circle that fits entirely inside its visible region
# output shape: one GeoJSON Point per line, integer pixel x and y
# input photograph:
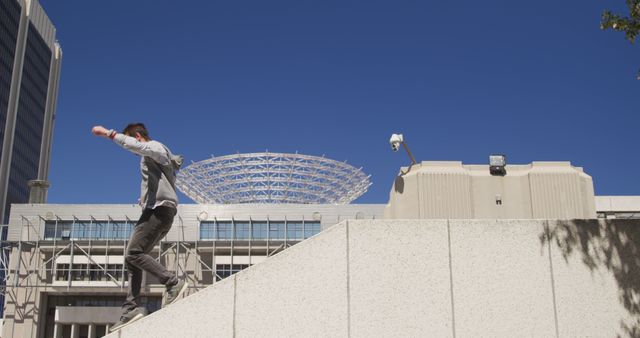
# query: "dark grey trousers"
{"type": "Point", "coordinates": [152, 226]}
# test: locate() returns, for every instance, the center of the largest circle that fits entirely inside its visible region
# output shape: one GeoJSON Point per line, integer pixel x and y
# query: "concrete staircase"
{"type": "Point", "coordinates": [425, 278]}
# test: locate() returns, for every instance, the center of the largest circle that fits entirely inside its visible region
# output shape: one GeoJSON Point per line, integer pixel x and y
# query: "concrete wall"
{"type": "Point", "coordinates": [618, 203]}
{"type": "Point", "coordinates": [429, 278]}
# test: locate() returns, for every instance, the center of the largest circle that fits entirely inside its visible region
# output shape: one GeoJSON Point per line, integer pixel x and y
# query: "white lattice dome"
{"type": "Point", "coordinates": [272, 178]}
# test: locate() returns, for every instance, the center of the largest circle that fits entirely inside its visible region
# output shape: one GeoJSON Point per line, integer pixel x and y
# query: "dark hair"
{"type": "Point", "coordinates": [132, 128]}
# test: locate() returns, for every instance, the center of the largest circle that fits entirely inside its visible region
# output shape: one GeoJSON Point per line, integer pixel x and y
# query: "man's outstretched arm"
{"type": "Point", "coordinates": [153, 150]}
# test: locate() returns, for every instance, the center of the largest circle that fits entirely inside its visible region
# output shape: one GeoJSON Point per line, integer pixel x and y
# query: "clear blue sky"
{"type": "Point", "coordinates": [536, 80]}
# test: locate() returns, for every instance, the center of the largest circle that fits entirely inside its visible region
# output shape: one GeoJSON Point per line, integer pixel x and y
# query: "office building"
{"type": "Point", "coordinates": [30, 60]}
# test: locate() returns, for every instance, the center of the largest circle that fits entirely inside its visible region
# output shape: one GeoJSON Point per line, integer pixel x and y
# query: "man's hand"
{"type": "Point", "coordinates": [100, 131]}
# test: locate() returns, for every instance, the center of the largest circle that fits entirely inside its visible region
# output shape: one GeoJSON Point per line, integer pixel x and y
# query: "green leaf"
{"type": "Point", "coordinates": [629, 25]}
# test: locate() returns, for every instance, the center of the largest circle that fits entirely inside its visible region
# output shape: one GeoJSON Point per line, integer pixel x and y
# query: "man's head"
{"type": "Point", "coordinates": [137, 130]}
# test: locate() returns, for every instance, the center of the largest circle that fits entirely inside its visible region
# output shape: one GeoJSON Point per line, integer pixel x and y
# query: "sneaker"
{"type": "Point", "coordinates": [128, 318]}
{"type": "Point", "coordinates": [174, 292]}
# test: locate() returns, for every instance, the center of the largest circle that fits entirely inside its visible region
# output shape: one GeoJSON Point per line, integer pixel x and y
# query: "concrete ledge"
{"type": "Point", "coordinates": [87, 314]}
{"type": "Point", "coordinates": [436, 278]}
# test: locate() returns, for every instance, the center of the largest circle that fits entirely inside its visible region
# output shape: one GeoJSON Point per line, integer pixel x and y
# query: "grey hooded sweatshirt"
{"type": "Point", "coordinates": [158, 167]}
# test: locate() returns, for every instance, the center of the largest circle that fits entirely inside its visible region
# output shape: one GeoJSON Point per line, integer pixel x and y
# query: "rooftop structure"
{"type": "Point", "coordinates": [452, 190]}
{"type": "Point", "coordinates": [272, 178]}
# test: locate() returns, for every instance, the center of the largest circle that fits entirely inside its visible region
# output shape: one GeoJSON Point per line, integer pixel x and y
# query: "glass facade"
{"type": "Point", "coordinates": [258, 230]}
{"type": "Point", "coordinates": [27, 141]}
{"type": "Point", "coordinates": [9, 24]}
{"type": "Point", "coordinates": [98, 230]}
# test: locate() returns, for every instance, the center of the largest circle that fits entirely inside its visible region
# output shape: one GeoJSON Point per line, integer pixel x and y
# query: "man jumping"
{"type": "Point", "coordinates": [159, 201]}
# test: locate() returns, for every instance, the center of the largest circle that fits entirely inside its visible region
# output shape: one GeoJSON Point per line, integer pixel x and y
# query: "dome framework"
{"type": "Point", "coordinates": [272, 178]}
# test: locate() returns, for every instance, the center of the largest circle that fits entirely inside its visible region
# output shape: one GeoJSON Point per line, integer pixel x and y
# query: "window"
{"type": "Point", "coordinates": [120, 230]}
{"type": "Point", "coordinates": [55, 229]}
{"type": "Point", "coordinates": [311, 228]}
{"type": "Point", "coordinates": [115, 270]}
{"type": "Point", "coordinates": [90, 272]}
{"type": "Point", "coordinates": [259, 230]}
{"type": "Point", "coordinates": [224, 230]}
{"type": "Point", "coordinates": [99, 230]}
{"type": "Point", "coordinates": [62, 271]}
{"type": "Point", "coordinates": [294, 231]}
{"type": "Point", "coordinates": [207, 230]}
{"type": "Point", "coordinates": [80, 230]}
{"type": "Point", "coordinates": [243, 230]}
{"type": "Point", "coordinates": [226, 270]}
{"type": "Point", "coordinates": [97, 274]}
{"type": "Point", "coordinates": [276, 230]}
{"type": "Point", "coordinates": [79, 272]}
{"type": "Point", "coordinates": [87, 230]}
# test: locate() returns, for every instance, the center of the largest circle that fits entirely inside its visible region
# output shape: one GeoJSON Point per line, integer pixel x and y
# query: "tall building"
{"type": "Point", "coordinates": [30, 59]}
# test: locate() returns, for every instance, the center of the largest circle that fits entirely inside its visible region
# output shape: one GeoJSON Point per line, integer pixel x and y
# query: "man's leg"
{"type": "Point", "coordinates": [167, 214]}
{"type": "Point", "coordinates": [145, 236]}
{"type": "Point", "coordinates": [135, 282]}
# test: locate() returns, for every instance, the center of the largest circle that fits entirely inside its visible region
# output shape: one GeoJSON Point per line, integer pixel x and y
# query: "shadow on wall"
{"type": "Point", "coordinates": [399, 185]}
{"type": "Point", "coordinates": [613, 245]}
{"type": "Point", "coordinates": [399, 182]}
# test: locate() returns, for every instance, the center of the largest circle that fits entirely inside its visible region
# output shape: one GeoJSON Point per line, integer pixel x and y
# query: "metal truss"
{"type": "Point", "coordinates": [30, 263]}
{"type": "Point", "coordinates": [272, 178]}
{"type": "Point", "coordinates": [40, 261]}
